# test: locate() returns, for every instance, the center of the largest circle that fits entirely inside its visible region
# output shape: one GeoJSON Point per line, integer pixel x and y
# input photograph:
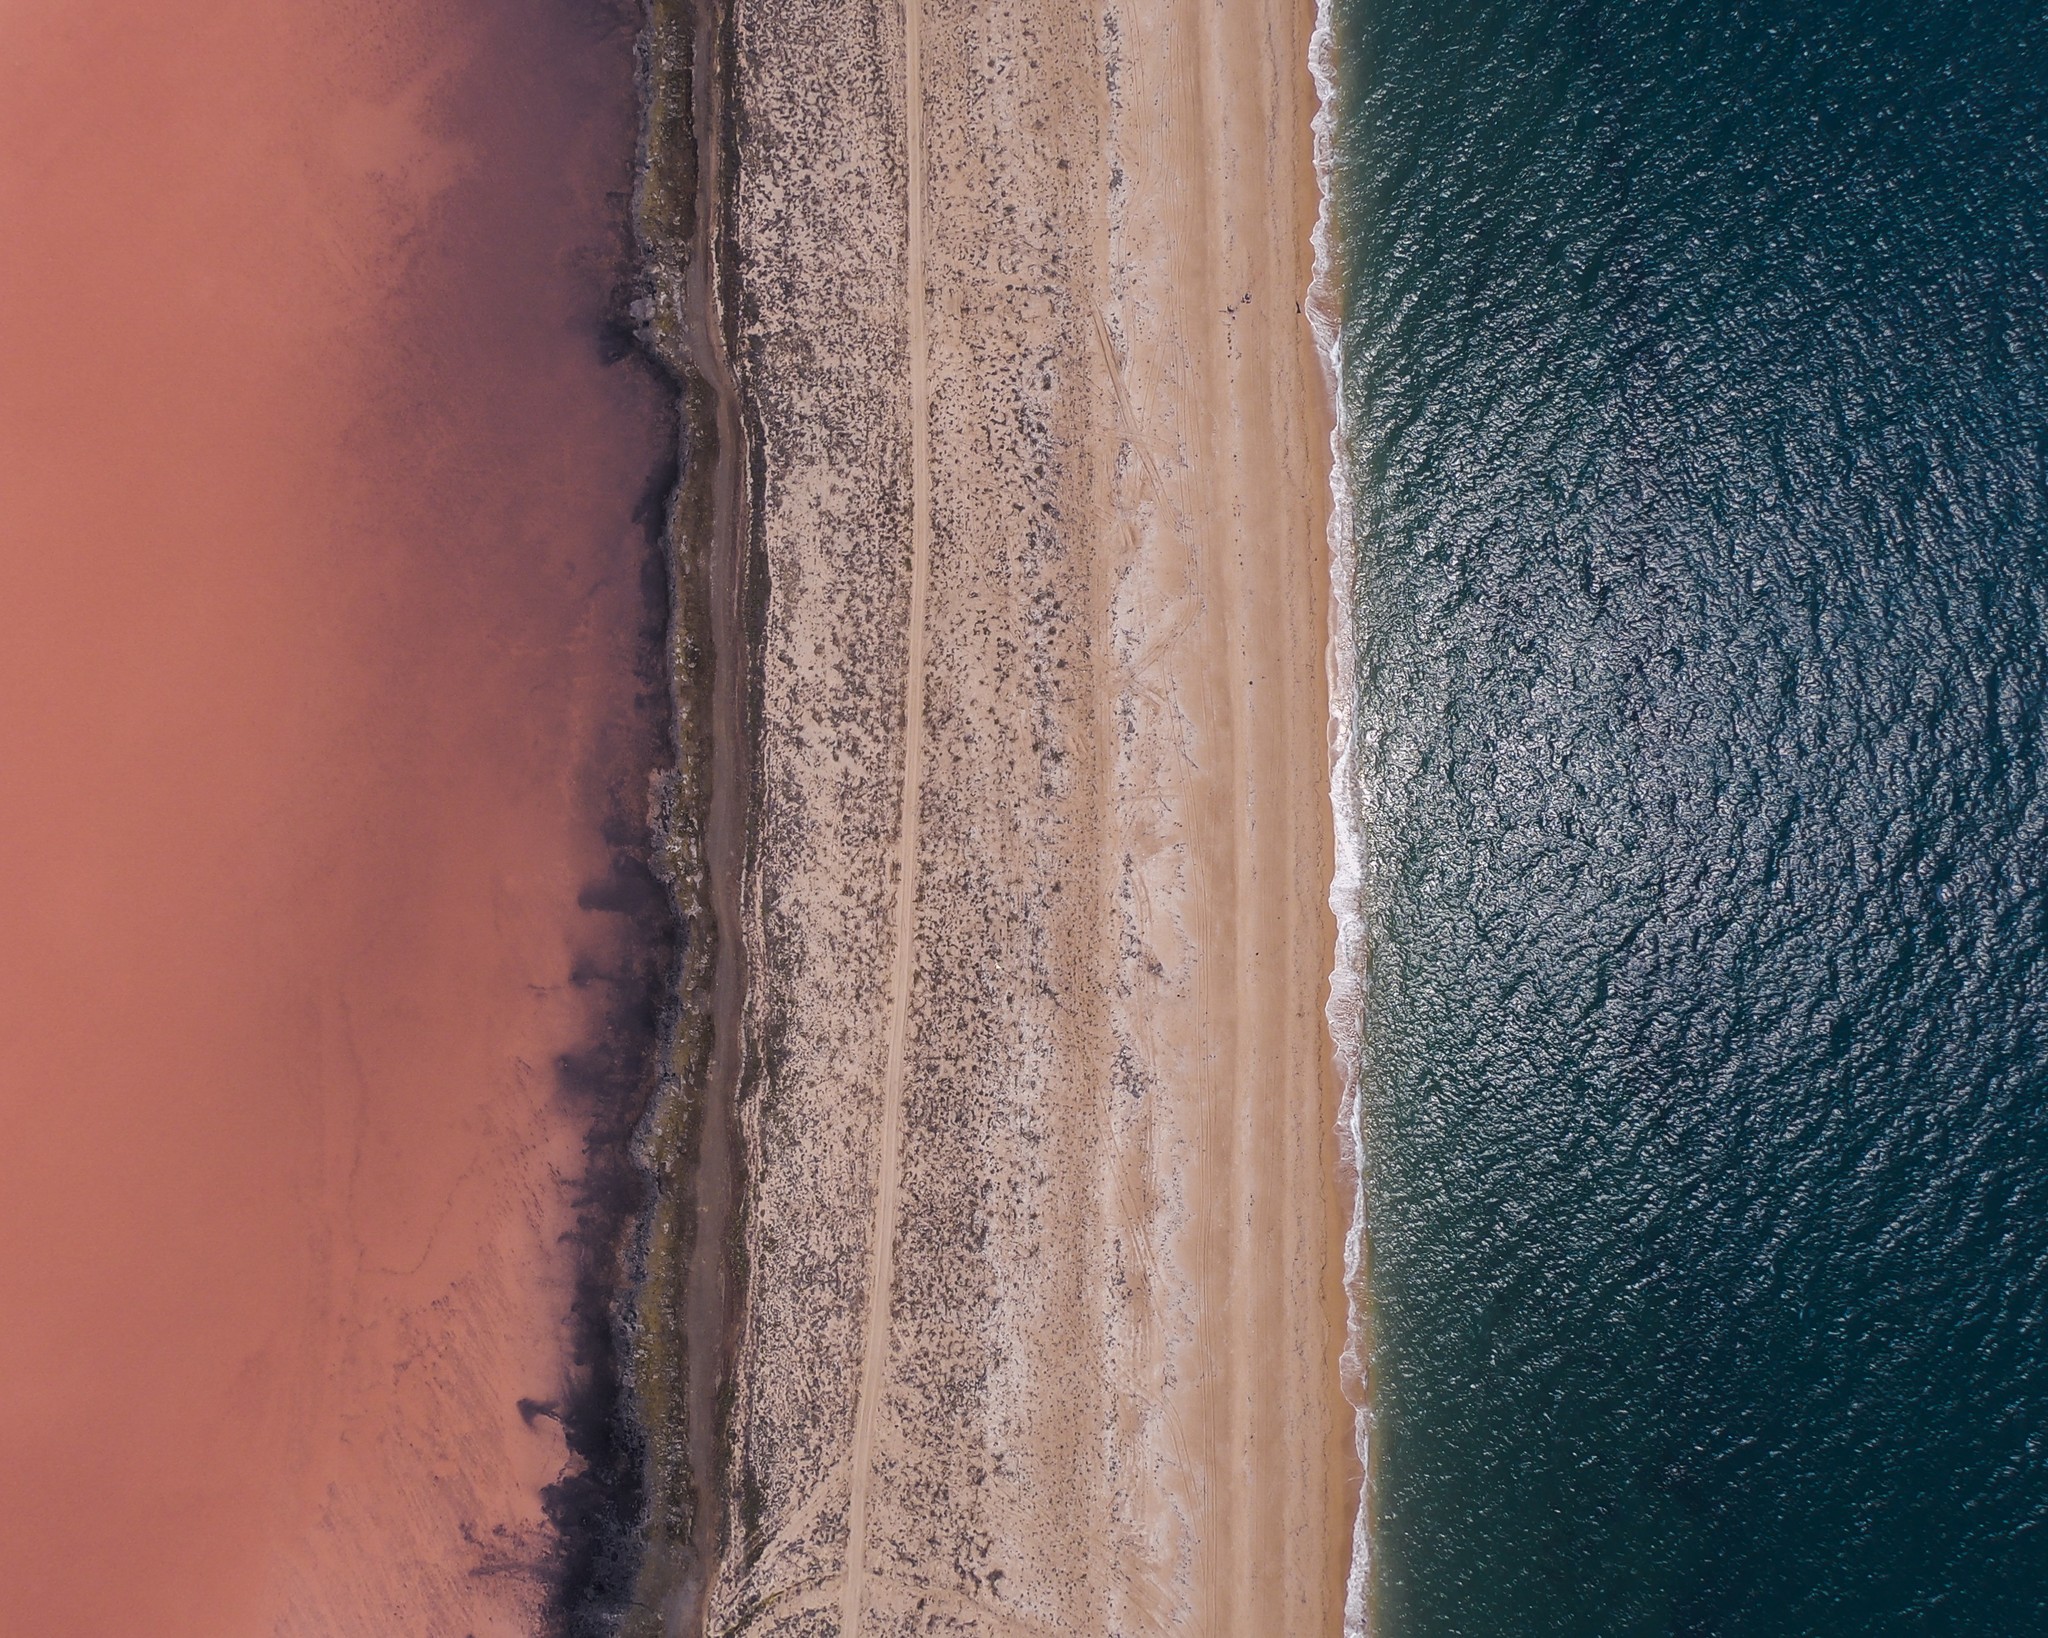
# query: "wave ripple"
{"type": "Point", "coordinates": [1695, 376]}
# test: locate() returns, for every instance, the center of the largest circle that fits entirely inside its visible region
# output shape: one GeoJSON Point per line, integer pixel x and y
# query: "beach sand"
{"type": "Point", "coordinates": [1039, 1296]}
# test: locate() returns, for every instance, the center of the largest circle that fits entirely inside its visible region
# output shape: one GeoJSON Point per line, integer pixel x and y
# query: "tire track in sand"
{"type": "Point", "coordinates": [882, 1245]}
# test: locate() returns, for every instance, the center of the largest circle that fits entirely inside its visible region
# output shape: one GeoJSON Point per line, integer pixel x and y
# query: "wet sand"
{"type": "Point", "coordinates": [1041, 1236]}
{"type": "Point", "coordinates": [329, 626]}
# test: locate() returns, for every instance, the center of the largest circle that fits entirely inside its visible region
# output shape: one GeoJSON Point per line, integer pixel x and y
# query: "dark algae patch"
{"type": "Point", "coordinates": [596, 1508]}
{"type": "Point", "coordinates": [1696, 364]}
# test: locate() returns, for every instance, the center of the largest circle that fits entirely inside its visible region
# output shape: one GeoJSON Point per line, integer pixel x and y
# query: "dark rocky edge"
{"type": "Point", "coordinates": [639, 1525]}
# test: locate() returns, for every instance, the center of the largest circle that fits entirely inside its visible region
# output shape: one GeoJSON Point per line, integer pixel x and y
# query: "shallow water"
{"type": "Point", "coordinates": [327, 642]}
{"type": "Point", "coordinates": [1696, 365]}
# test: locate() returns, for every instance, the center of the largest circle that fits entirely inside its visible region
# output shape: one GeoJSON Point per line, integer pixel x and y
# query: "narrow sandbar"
{"type": "Point", "coordinates": [1038, 1285]}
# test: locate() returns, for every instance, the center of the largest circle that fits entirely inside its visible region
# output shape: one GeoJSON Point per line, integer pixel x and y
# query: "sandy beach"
{"type": "Point", "coordinates": [1033, 1283]}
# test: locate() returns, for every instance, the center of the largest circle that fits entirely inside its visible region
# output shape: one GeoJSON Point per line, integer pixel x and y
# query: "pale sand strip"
{"type": "Point", "coordinates": [1043, 1232]}
{"type": "Point", "coordinates": [889, 1162]}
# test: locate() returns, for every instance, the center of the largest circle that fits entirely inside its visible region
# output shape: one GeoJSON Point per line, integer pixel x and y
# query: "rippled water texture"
{"type": "Point", "coordinates": [326, 702]}
{"type": "Point", "coordinates": [1697, 357]}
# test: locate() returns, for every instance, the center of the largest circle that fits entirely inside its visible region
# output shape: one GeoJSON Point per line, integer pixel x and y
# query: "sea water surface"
{"type": "Point", "coordinates": [1695, 382]}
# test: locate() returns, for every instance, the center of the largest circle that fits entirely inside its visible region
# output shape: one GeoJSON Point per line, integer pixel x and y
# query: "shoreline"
{"type": "Point", "coordinates": [1025, 876]}
{"type": "Point", "coordinates": [1324, 310]}
{"type": "Point", "coordinates": [689, 1264]}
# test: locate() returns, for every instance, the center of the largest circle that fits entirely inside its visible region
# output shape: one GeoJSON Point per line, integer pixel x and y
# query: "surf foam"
{"type": "Point", "coordinates": [1324, 307]}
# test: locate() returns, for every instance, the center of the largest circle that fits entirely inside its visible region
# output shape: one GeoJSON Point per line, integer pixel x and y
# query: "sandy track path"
{"type": "Point", "coordinates": [903, 968]}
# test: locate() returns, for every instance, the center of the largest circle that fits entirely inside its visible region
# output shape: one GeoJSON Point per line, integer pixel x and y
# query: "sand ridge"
{"type": "Point", "coordinates": [1042, 1238]}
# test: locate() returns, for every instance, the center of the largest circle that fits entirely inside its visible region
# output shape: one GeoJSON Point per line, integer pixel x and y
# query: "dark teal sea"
{"type": "Point", "coordinates": [1695, 366]}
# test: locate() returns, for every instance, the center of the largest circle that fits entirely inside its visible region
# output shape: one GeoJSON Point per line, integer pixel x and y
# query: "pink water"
{"type": "Point", "coordinates": [322, 659]}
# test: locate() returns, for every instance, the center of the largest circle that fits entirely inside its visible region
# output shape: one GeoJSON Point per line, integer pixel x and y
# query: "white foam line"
{"type": "Point", "coordinates": [1324, 308]}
